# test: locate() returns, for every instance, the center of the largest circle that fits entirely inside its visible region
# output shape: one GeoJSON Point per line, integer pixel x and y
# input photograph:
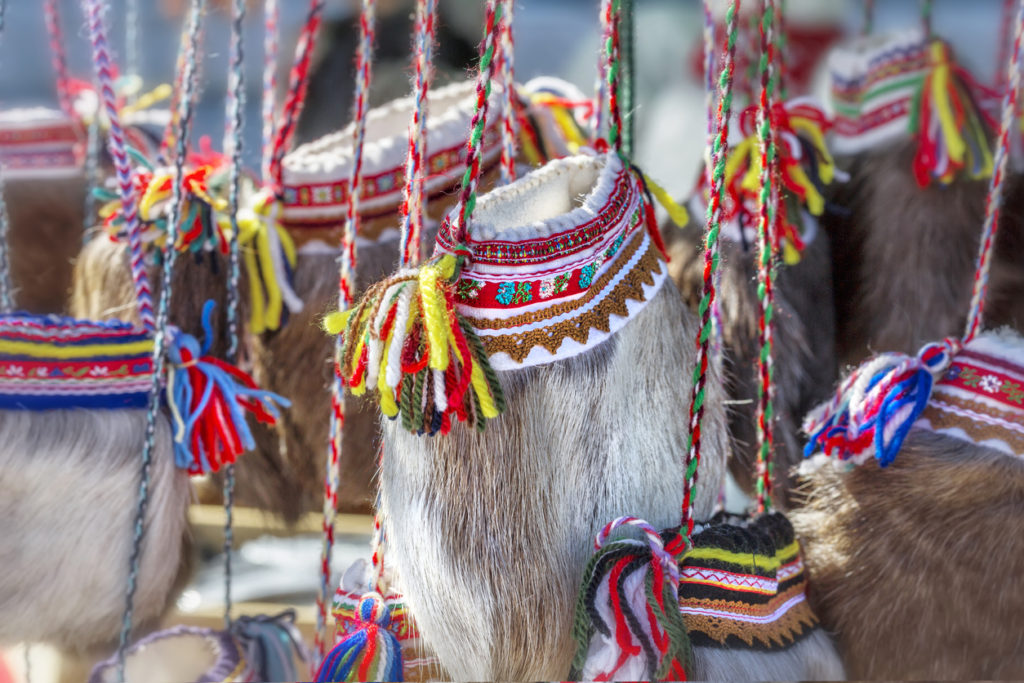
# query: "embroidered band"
{"type": "Point", "coordinates": [544, 290]}
{"type": "Point", "coordinates": [39, 143]}
{"type": "Point", "coordinates": [980, 397]}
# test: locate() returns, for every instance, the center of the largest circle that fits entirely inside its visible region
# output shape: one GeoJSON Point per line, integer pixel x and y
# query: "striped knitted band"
{"type": "Point", "coordinates": [316, 175]}
{"type": "Point", "coordinates": [744, 586]}
{"type": "Point", "coordinates": [52, 362]}
{"type": "Point", "coordinates": [40, 143]}
{"type": "Point", "coordinates": [874, 80]}
{"type": "Point", "coordinates": [980, 397]}
{"type": "Point", "coordinates": [551, 276]}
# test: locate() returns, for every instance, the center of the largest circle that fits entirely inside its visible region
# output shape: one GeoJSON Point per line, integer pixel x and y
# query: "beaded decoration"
{"type": "Point", "coordinates": [885, 88]}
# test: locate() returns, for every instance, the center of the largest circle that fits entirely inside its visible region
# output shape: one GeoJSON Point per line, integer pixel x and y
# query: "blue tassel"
{"type": "Point", "coordinates": [370, 651]}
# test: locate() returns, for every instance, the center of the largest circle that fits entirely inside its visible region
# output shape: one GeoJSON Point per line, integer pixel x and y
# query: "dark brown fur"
{"type": "Point", "coordinates": [804, 347]}
{"type": "Point", "coordinates": [919, 568]}
{"type": "Point", "coordinates": [45, 235]}
{"type": "Point", "coordinates": [905, 256]}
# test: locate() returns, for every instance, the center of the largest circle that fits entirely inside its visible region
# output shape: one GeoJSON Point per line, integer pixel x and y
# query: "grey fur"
{"type": "Point", "coordinates": [68, 490]}
{"type": "Point", "coordinates": [489, 532]}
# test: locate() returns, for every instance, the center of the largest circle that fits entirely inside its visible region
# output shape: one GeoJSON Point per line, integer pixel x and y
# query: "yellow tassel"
{"type": "Point", "coordinates": [676, 212]}
{"type": "Point", "coordinates": [826, 164]}
{"type": "Point", "coordinates": [434, 309]}
{"type": "Point", "coordinates": [334, 323]}
{"type": "Point", "coordinates": [388, 406]}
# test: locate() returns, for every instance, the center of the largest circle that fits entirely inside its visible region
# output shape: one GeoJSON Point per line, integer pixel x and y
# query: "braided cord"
{"type": "Point", "coordinates": [298, 83]}
{"type": "Point", "coordinates": [233, 142]}
{"type": "Point", "coordinates": [415, 162]}
{"type": "Point", "coordinates": [926, 17]}
{"type": "Point", "coordinates": [767, 238]}
{"type": "Point", "coordinates": [271, 42]}
{"type": "Point", "coordinates": [611, 13]}
{"type": "Point", "coordinates": [719, 152]}
{"type": "Point", "coordinates": [868, 25]}
{"type": "Point", "coordinates": [160, 336]}
{"type": "Point", "coordinates": [346, 292]}
{"type": "Point", "coordinates": [627, 91]}
{"type": "Point", "coordinates": [1005, 39]}
{"type": "Point", "coordinates": [508, 79]}
{"type": "Point", "coordinates": [782, 49]}
{"type": "Point", "coordinates": [51, 16]}
{"type": "Point", "coordinates": [122, 164]}
{"type": "Point", "coordinates": [471, 178]}
{"type": "Point", "coordinates": [709, 104]}
{"type": "Point", "coordinates": [994, 202]}
{"type": "Point", "coordinates": [6, 287]}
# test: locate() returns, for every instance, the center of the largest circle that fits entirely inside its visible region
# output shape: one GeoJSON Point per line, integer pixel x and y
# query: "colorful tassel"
{"type": "Point", "coordinates": [805, 168]}
{"type": "Point", "coordinates": [876, 406]}
{"type": "Point", "coordinates": [208, 399]}
{"type": "Point", "coordinates": [406, 340]}
{"type": "Point", "coordinates": [370, 652]}
{"type": "Point", "coordinates": [951, 129]}
{"type": "Point", "coordinates": [628, 625]}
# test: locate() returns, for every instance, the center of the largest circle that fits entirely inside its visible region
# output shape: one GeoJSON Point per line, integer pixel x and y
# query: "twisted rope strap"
{"type": "Point", "coordinates": [6, 288]}
{"type": "Point", "coordinates": [767, 238]}
{"type": "Point", "coordinates": [122, 164]}
{"type": "Point", "coordinates": [926, 17]}
{"type": "Point", "coordinates": [719, 152]}
{"type": "Point", "coordinates": [51, 16]}
{"type": "Point", "coordinates": [868, 25]}
{"type": "Point", "coordinates": [600, 90]}
{"type": "Point", "coordinates": [415, 161]}
{"type": "Point", "coordinates": [233, 141]}
{"type": "Point", "coordinates": [994, 202]}
{"type": "Point", "coordinates": [508, 79]}
{"type": "Point", "coordinates": [611, 13]}
{"type": "Point", "coordinates": [298, 83]}
{"type": "Point", "coordinates": [160, 331]}
{"type": "Point", "coordinates": [346, 292]}
{"type": "Point", "coordinates": [471, 178]}
{"type": "Point", "coordinates": [271, 41]}
{"type": "Point", "coordinates": [709, 104]}
{"type": "Point", "coordinates": [782, 49]}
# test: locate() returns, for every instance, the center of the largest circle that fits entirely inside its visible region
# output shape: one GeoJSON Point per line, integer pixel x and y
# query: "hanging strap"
{"type": "Point", "coordinates": [926, 18]}
{"type": "Point", "coordinates": [6, 287]}
{"type": "Point", "coordinates": [51, 16]}
{"type": "Point", "coordinates": [611, 20]}
{"type": "Point", "coordinates": [868, 23]}
{"type": "Point", "coordinates": [994, 202]}
{"type": "Point", "coordinates": [416, 158]}
{"type": "Point", "coordinates": [627, 66]}
{"type": "Point", "coordinates": [271, 42]}
{"type": "Point", "coordinates": [233, 142]}
{"type": "Point", "coordinates": [346, 292]}
{"type": "Point", "coordinates": [719, 153]}
{"type": "Point", "coordinates": [493, 14]}
{"type": "Point", "coordinates": [104, 68]}
{"type": "Point", "coordinates": [298, 84]}
{"type": "Point", "coordinates": [509, 124]}
{"type": "Point", "coordinates": [767, 238]}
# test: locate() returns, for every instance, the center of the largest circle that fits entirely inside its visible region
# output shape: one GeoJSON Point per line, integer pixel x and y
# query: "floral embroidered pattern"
{"type": "Point", "coordinates": [1013, 392]}
{"type": "Point", "coordinates": [554, 285]}
{"type": "Point", "coordinates": [514, 293]}
{"type": "Point", "coordinates": [587, 275]}
{"type": "Point", "coordinates": [468, 289]}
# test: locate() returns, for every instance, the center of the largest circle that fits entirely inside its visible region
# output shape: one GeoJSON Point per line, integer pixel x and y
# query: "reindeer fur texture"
{"type": "Point", "coordinates": [919, 568]}
{"type": "Point", "coordinates": [69, 482]}
{"type": "Point", "coordinates": [804, 344]}
{"type": "Point", "coordinates": [814, 658]}
{"type": "Point", "coordinates": [44, 236]}
{"type": "Point", "coordinates": [489, 532]}
{"type": "Point", "coordinates": [904, 256]}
